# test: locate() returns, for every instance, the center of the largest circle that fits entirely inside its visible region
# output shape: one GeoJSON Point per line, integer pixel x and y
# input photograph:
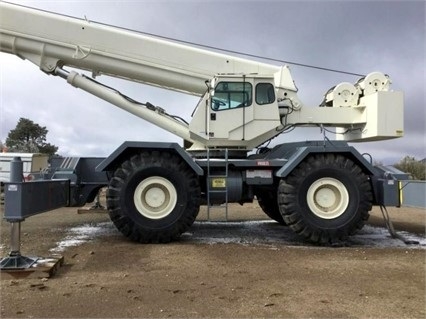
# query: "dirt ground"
{"type": "Point", "coordinates": [109, 277]}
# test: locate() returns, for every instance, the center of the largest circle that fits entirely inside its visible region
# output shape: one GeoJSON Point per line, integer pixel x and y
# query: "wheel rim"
{"type": "Point", "coordinates": [327, 198]}
{"type": "Point", "coordinates": [155, 197]}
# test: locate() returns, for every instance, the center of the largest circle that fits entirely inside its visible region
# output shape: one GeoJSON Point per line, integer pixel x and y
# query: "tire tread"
{"type": "Point", "coordinates": [291, 212]}
{"type": "Point", "coordinates": [140, 233]}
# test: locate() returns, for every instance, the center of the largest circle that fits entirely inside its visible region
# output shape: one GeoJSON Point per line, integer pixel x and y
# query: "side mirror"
{"type": "Point", "coordinates": [212, 85]}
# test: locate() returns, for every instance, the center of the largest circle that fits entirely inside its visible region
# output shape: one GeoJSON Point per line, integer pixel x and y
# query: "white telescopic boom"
{"type": "Point", "coordinates": [51, 40]}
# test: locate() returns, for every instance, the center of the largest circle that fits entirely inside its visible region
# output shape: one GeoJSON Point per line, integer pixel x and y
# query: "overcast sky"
{"type": "Point", "coordinates": [354, 36]}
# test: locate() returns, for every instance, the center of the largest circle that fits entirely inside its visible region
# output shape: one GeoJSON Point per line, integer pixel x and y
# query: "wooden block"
{"type": "Point", "coordinates": [44, 267]}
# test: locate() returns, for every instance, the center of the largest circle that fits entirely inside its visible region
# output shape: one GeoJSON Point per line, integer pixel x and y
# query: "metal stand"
{"type": "Point", "coordinates": [15, 260]}
{"type": "Point", "coordinates": [97, 204]}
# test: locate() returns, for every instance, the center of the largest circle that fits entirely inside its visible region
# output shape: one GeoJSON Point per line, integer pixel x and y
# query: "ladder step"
{"type": "Point", "coordinates": [223, 189]}
{"type": "Point", "coordinates": [217, 206]}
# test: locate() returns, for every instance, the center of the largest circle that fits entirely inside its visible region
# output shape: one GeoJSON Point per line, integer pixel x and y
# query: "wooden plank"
{"type": "Point", "coordinates": [91, 210]}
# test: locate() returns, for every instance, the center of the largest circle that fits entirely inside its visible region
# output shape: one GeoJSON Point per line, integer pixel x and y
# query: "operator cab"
{"type": "Point", "coordinates": [235, 111]}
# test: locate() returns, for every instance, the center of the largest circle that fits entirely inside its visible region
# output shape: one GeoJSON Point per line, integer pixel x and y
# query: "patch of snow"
{"type": "Point", "coordinates": [79, 235]}
{"type": "Point", "coordinates": [256, 233]}
{"type": "Point", "coordinates": [380, 237]}
{"type": "Point", "coordinates": [270, 233]}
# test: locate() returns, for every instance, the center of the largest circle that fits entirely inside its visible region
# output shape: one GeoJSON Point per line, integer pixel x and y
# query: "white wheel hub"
{"type": "Point", "coordinates": [327, 198]}
{"type": "Point", "coordinates": [155, 197]}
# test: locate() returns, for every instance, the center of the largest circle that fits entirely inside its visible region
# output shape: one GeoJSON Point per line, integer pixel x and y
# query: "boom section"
{"type": "Point", "coordinates": [50, 40]}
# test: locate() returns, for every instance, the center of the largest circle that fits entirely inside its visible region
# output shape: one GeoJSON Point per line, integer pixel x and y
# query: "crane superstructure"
{"type": "Point", "coordinates": [322, 190]}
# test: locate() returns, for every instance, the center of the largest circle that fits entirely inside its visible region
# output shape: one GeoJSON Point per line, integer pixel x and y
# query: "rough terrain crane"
{"type": "Point", "coordinates": [323, 190]}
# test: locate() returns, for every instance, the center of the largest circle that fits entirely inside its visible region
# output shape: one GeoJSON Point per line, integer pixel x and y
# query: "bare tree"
{"type": "Point", "coordinates": [409, 164]}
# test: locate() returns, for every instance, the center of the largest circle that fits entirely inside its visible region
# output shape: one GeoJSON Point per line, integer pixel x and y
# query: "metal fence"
{"type": "Point", "coordinates": [414, 193]}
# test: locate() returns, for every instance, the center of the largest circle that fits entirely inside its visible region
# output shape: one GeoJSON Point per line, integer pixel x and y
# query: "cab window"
{"type": "Point", "coordinates": [265, 93]}
{"type": "Point", "coordinates": [231, 95]}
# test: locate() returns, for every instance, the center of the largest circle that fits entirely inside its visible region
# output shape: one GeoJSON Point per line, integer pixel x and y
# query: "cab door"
{"type": "Point", "coordinates": [231, 109]}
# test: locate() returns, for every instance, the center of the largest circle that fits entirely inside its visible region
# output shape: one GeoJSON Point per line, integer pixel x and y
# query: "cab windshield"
{"type": "Point", "coordinates": [231, 95]}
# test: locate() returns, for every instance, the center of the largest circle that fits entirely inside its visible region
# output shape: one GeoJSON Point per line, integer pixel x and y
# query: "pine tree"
{"type": "Point", "coordinates": [29, 137]}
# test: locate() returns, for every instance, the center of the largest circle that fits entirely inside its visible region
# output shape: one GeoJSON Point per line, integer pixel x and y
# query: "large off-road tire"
{"type": "Point", "coordinates": [153, 197]}
{"type": "Point", "coordinates": [268, 202]}
{"type": "Point", "coordinates": [326, 198]}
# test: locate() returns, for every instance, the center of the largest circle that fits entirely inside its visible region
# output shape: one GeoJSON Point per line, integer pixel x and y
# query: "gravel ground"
{"type": "Point", "coordinates": [249, 267]}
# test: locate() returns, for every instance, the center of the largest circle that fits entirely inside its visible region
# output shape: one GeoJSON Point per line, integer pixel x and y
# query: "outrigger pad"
{"type": "Point", "coordinates": [17, 262]}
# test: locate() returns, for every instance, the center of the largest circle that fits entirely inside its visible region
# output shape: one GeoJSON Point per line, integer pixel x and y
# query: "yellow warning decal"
{"type": "Point", "coordinates": [401, 198]}
{"type": "Point", "coordinates": [218, 182]}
